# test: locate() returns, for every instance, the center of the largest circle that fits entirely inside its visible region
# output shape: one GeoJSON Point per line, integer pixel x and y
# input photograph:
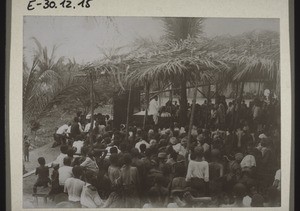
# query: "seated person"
{"type": "Point", "coordinates": [43, 175]}
{"type": "Point", "coordinates": [65, 172]}
{"type": "Point", "coordinates": [73, 187]}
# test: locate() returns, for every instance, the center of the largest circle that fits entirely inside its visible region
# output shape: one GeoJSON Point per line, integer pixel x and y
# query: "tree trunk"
{"type": "Point", "coordinates": [128, 111]}
{"type": "Point", "coordinates": [208, 93]}
{"type": "Point", "coordinates": [192, 118]}
{"type": "Point", "coordinates": [171, 93]}
{"type": "Point", "coordinates": [183, 103]}
{"type": "Point", "coordinates": [147, 90]}
{"type": "Point", "coordinates": [92, 107]}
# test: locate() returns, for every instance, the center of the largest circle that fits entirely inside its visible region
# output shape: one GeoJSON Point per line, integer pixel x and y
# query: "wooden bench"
{"type": "Point", "coordinates": [41, 193]}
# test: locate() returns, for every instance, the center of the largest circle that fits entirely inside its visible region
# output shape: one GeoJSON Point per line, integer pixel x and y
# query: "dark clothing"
{"type": "Point", "coordinates": [75, 131]}
{"type": "Point", "coordinates": [43, 177]}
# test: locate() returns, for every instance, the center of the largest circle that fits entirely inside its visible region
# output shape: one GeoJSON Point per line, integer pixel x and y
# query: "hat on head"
{"type": "Point", "coordinates": [162, 155]}
{"type": "Point", "coordinates": [88, 116]}
{"type": "Point", "coordinates": [239, 156]}
{"type": "Point", "coordinates": [262, 136]}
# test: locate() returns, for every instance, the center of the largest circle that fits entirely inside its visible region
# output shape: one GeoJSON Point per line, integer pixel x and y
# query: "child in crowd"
{"type": "Point", "coordinates": [55, 188]}
{"type": "Point", "coordinates": [43, 175]}
{"type": "Point", "coordinates": [26, 147]}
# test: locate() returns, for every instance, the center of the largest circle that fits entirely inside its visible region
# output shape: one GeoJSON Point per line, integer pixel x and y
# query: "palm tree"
{"type": "Point", "coordinates": [178, 29]}
{"type": "Point", "coordinates": [42, 80]}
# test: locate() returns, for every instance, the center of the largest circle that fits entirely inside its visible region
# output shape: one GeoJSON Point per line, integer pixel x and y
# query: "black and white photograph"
{"type": "Point", "coordinates": [151, 112]}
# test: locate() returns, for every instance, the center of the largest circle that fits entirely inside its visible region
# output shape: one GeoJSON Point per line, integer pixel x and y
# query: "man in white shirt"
{"type": "Point", "coordinates": [154, 108]}
{"type": "Point", "coordinates": [78, 144]}
{"type": "Point", "coordinates": [180, 148]}
{"type": "Point", "coordinates": [88, 125]}
{"type": "Point", "coordinates": [60, 135]}
{"type": "Point", "coordinates": [65, 171]}
{"type": "Point", "coordinates": [140, 142]}
{"type": "Point", "coordinates": [74, 185]}
{"type": "Point", "coordinates": [60, 158]}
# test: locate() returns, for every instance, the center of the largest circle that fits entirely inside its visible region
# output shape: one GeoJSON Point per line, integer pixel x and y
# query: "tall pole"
{"type": "Point", "coordinates": [171, 94]}
{"type": "Point", "coordinates": [128, 111]}
{"type": "Point", "coordinates": [92, 105]}
{"type": "Point", "coordinates": [147, 87]}
{"type": "Point", "coordinates": [192, 118]}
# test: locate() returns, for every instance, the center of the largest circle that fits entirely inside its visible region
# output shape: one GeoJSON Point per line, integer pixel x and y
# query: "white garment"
{"type": "Point", "coordinates": [108, 151]}
{"type": "Point", "coordinates": [73, 187]}
{"type": "Point", "coordinates": [198, 169]}
{"type": "Point", "coordinates": [278, 177]}
{"type": "Point", "coordinates": [180, 149]}
{"type": "Point", "coordinates": [60, 159]}
{"type": "Point", "coordinates": [172, 205]}
{"type": "Point", "coordinates": [248, 161]}
{"type": "Point", "coordinates": [69, 129]}
{"type": "Point", "coordinates": [138, 144]}
{"type": "Point", "coordinates": [247, 201]}
{"type": "Point", "coordinates": [90, 198]}
{"type": "Point", "coordinates": [78, 144]}
{"type": "Point", "coordinates": [88, 126]}
{"type": "Point", "coordinates": [206, 147]}
{"type": "Point", "coordinates": [153, 107]}
{"type": "Point", "coordinates": [64, 172]}
{"type": "Point", "coordinates": [90, 164]}
{"type": "Point", "coordinates": [148, 205]}
{"type": "Point", "coordinates": [62, 129]}
{"type": "Point", "coordinates": [80, 127]}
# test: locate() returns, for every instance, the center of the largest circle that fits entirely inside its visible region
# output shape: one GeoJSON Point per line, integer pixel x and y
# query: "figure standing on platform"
{"type": "Point", "coordinates": [153, 109]}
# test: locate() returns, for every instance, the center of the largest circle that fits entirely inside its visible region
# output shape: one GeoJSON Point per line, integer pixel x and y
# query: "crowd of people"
{"type": "Point", "coordinates": [232, 159]}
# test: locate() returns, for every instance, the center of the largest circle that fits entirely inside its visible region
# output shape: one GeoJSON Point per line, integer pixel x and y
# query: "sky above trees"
{"type": "Point", "coordinates": [84, 38]}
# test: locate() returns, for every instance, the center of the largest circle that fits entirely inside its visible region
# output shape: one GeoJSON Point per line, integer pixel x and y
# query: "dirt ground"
{"type": "Point", "coordinates": [41, 147]}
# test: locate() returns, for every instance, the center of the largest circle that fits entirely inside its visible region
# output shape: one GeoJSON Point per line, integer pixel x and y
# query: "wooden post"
{"type": "Point", "coordinates": [147, 90]}
{"type": "Point", "coordinates": [128, 111]}
{"type": "Point", "coordinates": [192, 118]}
{"type": "Point", "coordinates": [92, 105]}
{"type": "Point", "coordinates": [171, 94]}
{"type": "Point", "coordinates": [208, 93]}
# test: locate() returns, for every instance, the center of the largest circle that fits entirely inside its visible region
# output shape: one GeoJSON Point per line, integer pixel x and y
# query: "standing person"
{"type": "Point", "coordinates": [230, 116]}
{"type": "Point", "coordinates": [221, 116]}
{"type": "Point", "coordinates": [114, 170]}
{"type": "Point", "coordinates": [130, 183]}
{"type": "Point", "coordinates": [26, 146]}
{"type": "Point", "coordinates": [73, 186]}
{"type": "Point", "coordinates": [153, 109]}
{"type": "Point", "coordinates": [43, 175]}
{"type": "Point", "coordinates": [198, 172]}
